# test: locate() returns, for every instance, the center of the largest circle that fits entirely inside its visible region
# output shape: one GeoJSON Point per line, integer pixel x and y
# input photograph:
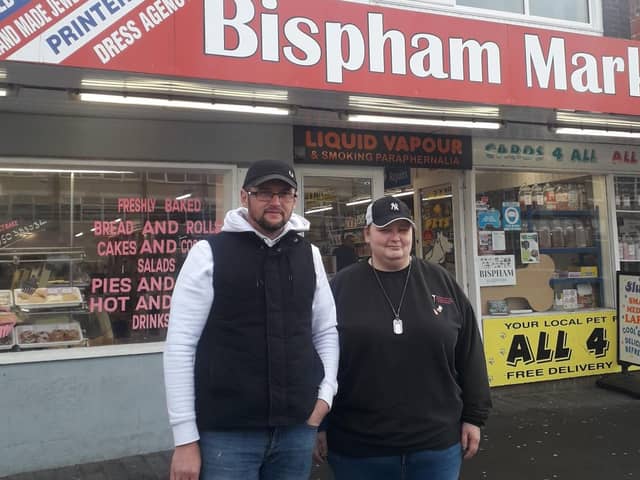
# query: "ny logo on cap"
{"type": "Point", "coordinates": [394, 206]}
{"type": "Point", "coordinates": [291, 173]}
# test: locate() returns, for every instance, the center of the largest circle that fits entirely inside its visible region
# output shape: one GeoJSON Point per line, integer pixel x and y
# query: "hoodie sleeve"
{"type": "Point", "coordinates": [190, 305]}
{"type": "Point", "coordinates": [325, 334]}
{"type": "Point", "coordinates": [470, 359]}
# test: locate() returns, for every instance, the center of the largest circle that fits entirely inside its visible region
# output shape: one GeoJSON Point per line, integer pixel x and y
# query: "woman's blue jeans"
{"type": "Point", "coordinates": [280, 453]}
{"type": "Point", "coordinates": [424, 465]}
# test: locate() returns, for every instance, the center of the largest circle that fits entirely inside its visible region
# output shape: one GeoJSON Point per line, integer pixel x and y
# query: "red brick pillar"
{"type": "Point", "coordinates": [634, 18]}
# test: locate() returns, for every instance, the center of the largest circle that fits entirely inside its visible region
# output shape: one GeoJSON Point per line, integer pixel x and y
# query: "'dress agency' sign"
{"type": "Point", "coordinates": [379, 148]}
{"type": "Point", "coordinates": [329, 45]}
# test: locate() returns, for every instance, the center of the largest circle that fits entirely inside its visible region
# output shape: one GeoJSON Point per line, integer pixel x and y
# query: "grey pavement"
{"type": "Point", "coordinates": [569, 430]}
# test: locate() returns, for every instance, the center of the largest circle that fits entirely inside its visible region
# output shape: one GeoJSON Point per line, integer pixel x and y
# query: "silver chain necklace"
{"type": "Point", "coordinates": [397, 321]}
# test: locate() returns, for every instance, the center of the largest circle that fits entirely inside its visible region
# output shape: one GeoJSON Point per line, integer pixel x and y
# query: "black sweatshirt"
{"type": "Point", "coordinates": [403, 393]}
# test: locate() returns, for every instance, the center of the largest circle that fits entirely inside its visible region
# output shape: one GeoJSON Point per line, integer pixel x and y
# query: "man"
{"type": "Point", "coordinates": [346, 253]}
{"type": "Point", "coordinates": [252, 348]}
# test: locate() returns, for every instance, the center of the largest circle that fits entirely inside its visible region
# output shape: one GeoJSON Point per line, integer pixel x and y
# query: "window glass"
{"type": "Point", "coordinates": [336, 209]}
{"type": "Point", "coordinates": [627, 198]}
{"type": "Point", "coordinates": [91, 259]}
{"type": "Point", "coordinates": [576, 11]}
{"type": "Point", "coordinates": [438, 233]}
{"type": "Point", "coordinates": [515, 6]}
{"type": "Point", "coordinates": [540, 242]}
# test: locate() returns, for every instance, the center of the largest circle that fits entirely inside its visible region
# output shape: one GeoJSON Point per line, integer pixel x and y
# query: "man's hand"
{"type": "Point", "coordinates": [320, 450]}
{"type": "Point", "coordinates": [470, 440]}
{"type": "Point", "coordinates": [186, 462]}
{"type": "Point", "coordinates": [319, 412]}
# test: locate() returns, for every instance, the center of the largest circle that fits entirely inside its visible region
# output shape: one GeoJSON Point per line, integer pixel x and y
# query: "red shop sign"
{"type": "Point", "coordinates": [329, 45]}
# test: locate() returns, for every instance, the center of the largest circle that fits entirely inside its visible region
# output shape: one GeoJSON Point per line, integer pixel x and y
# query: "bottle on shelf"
{"type": "Point", "coordinates": [562, 197]}
{"type": "Point", "coordinates": [569, 234]}
{"type": "Point", "coordinates": [549, 197]}
{"type": "Point", "coordinates": [524, 197]}
{"type": "Point", "coordinates": [618, 197]}
{"type": "Point", "coordinates": [626, 198]}
{"type": "Point", "coordinates": [573, 197]}
{"type": "Point", "coordinates": [582, 197]}
{"type": "Point", "coordinates": [622, 248]}
{"type": "Point", "coordinates": [581, 234]}
{"type": "Point", "coordinates": [588, 231]}
{"type": "Point", "coordinates": [544, 234]}
{"type": "Point", "coordinates": [537, 194]}
{"type": "Point", "coordinates": [630, 246]}
{"type": "Point", "coordinates": [557, 234]}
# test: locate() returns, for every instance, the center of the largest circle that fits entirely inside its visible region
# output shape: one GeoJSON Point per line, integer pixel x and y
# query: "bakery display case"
{"type": "Point", "coordinates": [45, 298]}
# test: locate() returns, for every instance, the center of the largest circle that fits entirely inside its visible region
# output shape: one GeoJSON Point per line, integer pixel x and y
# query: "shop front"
{"type": "Point", "coordinates": [101, 201]}
{"type": "Point", "coordinates": [549, 239]}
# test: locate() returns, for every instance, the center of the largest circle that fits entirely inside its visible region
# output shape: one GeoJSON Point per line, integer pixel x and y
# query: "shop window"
{"type": "Point", "coordinates": [91, 259]}
{"type": "Point", "coordinates": [336, 209]}
{"type": "Point", "coordinates": [540, 242]}
{"type": "Point", "coordinates": [574, 11]}
{"type": "Point", "coordinates": [514, 6]}
{"type": "Point", "coordinates": [627, 199]}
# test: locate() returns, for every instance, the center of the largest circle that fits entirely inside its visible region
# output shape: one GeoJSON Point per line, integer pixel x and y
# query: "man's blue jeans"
{"type": "Point", "coordinates": [424, 465]}
{"type": "Point", "coordinates": [280, 453]}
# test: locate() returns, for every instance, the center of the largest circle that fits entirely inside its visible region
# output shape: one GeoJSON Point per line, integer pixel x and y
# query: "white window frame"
{"type": "Point", "coordinates": [449, 7]}
{"type": "Point", "coordinates": [55, 354]}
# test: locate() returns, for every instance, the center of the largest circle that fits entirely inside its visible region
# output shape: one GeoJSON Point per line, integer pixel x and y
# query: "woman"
{"type": "Point", "coordinates": [413, 389]}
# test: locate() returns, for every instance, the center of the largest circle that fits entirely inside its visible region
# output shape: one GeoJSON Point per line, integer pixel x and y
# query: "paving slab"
{"type": "Point", "coordinates": [567, 430]}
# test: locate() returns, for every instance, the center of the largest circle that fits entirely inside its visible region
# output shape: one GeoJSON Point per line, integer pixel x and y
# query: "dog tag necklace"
{"type": "Point", "coordinates": [397, 321]}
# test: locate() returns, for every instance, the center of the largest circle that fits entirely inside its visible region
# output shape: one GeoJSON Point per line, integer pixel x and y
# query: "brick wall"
{"type": "Point", "coordinates": [616, 17]}
{"type": "Point", "coordinates": [634, 15]}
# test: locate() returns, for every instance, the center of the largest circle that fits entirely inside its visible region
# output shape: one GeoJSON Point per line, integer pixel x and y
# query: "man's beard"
{"type": "Point", "coordinates": [270, 227]}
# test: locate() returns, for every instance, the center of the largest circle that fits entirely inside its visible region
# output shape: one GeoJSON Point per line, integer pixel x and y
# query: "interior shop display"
{"type": "Point", "coordinates": [92, 258]}
{"type": "Point", "coordinates": [49, 334]}
{"type": "Point", "coordinates": [7, 322]}
{"type": "Point", "coordinates": [6, 298]}
{"type": "Point", "coordinates": [438, 227]}
{"type": "Point", "coordinates": [336, 208]}
{"type": "Point", "coordinates": [627, 199]}
{"type": "Point", "coordinates": [555, 242]}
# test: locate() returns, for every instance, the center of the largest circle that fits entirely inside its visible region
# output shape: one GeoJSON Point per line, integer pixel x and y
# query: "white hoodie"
{"type": "Point", "coordinates": [190, 305]}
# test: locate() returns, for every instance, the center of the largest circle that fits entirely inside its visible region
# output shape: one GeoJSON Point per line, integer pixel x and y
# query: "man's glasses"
{"type": "Point", "coordinates": [267, 195]}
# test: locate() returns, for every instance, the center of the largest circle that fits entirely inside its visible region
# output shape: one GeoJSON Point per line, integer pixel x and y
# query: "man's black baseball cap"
{"type": "Point", "coordinates": [265, 170]}
{"type": "Point", "coordinates": [387, 210]}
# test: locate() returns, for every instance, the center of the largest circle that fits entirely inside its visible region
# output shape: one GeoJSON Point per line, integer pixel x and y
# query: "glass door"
{"type": "Point", "coordinates": [438, 194]}
{"type": "Point", "coordinates": [335, 201]}
{"type": "Point", "coordinates": [437, 235]}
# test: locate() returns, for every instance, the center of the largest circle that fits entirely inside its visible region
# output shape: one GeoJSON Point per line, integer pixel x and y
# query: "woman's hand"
{"type": "Point", "coordinates": [470, 440]}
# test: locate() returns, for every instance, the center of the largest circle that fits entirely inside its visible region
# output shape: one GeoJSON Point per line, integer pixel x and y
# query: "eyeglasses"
{"type": "Point", "coordinates": [267, 195]}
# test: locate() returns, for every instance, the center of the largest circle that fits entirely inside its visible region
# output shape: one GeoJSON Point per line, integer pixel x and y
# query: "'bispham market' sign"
{"type": "Point", "coordinates": [329, 45]}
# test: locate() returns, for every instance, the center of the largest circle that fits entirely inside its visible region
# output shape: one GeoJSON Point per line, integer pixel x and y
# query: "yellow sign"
{"type": "Point", "coordinates": [550, 347]}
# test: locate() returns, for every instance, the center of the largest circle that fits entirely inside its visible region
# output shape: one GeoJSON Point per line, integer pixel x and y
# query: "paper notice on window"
{"type": "Point", "coordinates": [529, 250]}
{"type": "Point", "coordinates": [498, 242]}
{"type": "Point", "coordinates": [496, 270]}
